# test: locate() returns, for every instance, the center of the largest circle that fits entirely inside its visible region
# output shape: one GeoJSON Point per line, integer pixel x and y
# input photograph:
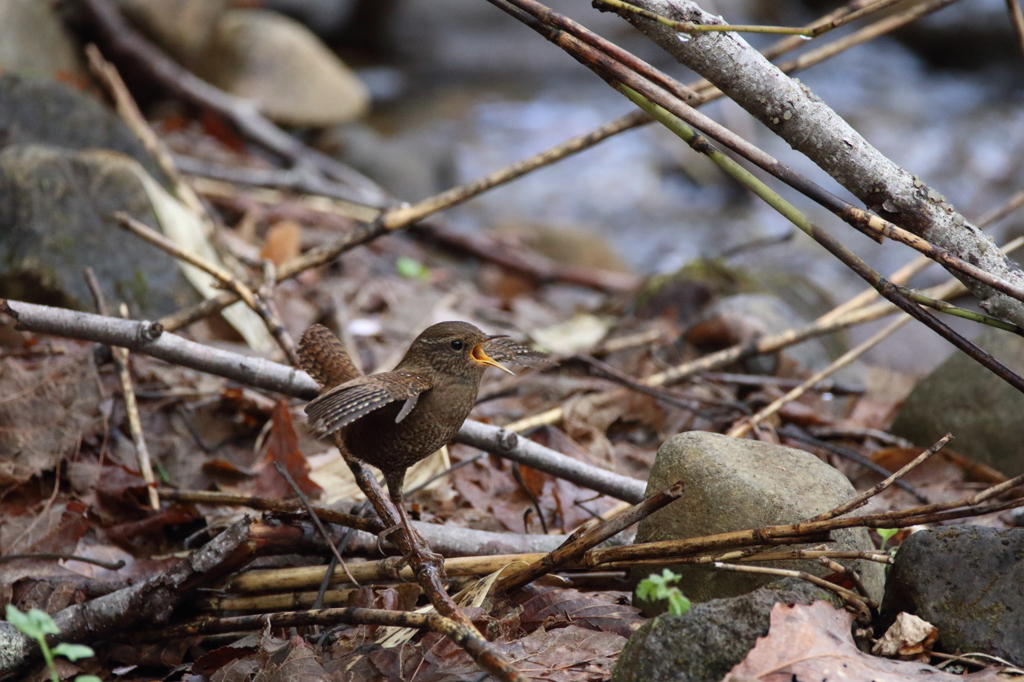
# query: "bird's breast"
{"type": "Point", "coordinates": [437, 416]}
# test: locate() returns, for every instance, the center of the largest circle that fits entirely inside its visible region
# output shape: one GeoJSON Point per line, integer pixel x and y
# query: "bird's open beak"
{"type": "Point", "coordinates": [480, 356]}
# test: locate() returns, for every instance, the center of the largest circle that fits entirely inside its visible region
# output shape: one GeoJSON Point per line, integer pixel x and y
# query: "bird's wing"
{"type": "Point", "coordinates": [324, 358]}
{"type": "Point", "coordinates": [341, 406]}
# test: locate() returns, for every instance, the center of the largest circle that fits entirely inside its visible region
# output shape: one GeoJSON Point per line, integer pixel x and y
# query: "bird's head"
{"type": "Point", "coordinates": [452, 348]}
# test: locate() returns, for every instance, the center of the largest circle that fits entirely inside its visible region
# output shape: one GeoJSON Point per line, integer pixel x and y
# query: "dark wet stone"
{"type": "Point", "coordinates": [968, 581]}
{"type": "Point", "coordinates": [976, 406]}
{"type": "Point", "coordinates": [705, 643]}
{"type": "Point", "coordinates": [47, 112]}
{"type": "Point", "coordinates": [55, 219]}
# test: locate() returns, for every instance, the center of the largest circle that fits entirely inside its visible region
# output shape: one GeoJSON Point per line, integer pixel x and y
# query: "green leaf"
{"type": "Point", "coordinates": [87, 678]}
{"type": "Point", "coordinates": [42, 622]}
{"type": "Point", "coordinates": [411, 268]}
{"type": "Point", "coordinates": [72, 652]}
{"type": "Point", "coordinates": [20, 621]}
{"type": "Point", "coordinates": [656, 588]}
{"type": "Point", "coordinates": [886, 534]}
{"type": "Point", "coordinates": [669, 577]}
{"type": "Point", "coordinates": [677, 603]}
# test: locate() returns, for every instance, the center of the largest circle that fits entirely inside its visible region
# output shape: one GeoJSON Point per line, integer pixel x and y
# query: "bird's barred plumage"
{"type": "Point", "coordinates": [394, 419]}
{"type": "Point", "coordinates": [324, 358]}
{"type": "Point", "coordinates": [342, 405]}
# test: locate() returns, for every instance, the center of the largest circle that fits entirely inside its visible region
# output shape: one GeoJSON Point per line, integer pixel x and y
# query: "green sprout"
{"type": "Point", "coordinates": [37, 625]}
{"type": "Point", "coordinates": [886, 534]}
{"type": "Point", "coordinates": [657, 587]}
{"type": "Point", "coordinates": [411, 268]}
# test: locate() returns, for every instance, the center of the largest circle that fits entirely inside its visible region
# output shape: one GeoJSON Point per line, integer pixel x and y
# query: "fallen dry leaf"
{"type": "Point", "coordinates": [283, 449]}
{"type": "Point", "coordinates": [814, 643]}
{"type": "Point", "coordinates": [47, 408]}
{"type": "Point", "coordinates": [909, 636]}
{"type": "Point", "coordinates": [552, 608]}
{"type": "Point", "coordinates": [283, 242]}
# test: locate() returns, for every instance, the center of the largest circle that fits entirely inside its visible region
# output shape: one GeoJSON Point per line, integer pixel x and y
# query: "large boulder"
{"type": "Point", "coordinates": [705, 643]}
{"type": "Point", "coordinates": [968, 581]}
{"type": "Point", "coordinates": [35, 42]}
{"type": "Point", "coordinates": [36, 110]}
{"type": "Point", "coordinates": [278, 62]}
{"type": "Point", "coordinates": [55, 218]}
{"type": "Point", "coordinates": [734, 484]}
{"type": "Point", "coordinates": [976, 406]}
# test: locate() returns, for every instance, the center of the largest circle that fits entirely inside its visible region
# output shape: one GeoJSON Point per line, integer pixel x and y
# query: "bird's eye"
{"type": "Point", "coordinates": [458, 345]}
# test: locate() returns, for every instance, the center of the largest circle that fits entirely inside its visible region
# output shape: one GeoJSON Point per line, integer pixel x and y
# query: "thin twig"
{"type": "Point", "coordinates": [743, 428]}
{"type": "Point", "coordinates": [576, 547]}
{"type": "Point", "coordinates": [861, 603]}
{"type": "Point", "coordinates": [827, 386]}
{"type": "Point", "coordinates": [134, 421]}
{"type": "Point", "coordinates": [120, 355]}
{"type": "Point", "coordinates": [274, 505]}
{"type": "Point", "coordinates": [646, 87]}
{"type": "Point", "coordinates": [658, 393]}
{"type": "Point", "coordinates": [483, 652]}
{"type": "Point", "coordinates": [807, 530]}
{"type": "Point", "coordinates": [248, 296]}
{"type": "Point", "coordinates": [792, 432]}
{"type": "Point", "coordinates": [227, 279]}
{"type": "Point", "coordinates": [427, 566]}
{"type": "Point", "coordinates": [313, 517]}
{"type": "Point", "coordinates": [827, 241]}
{"type": "Point", "coordinates": [32, 352]}
{"type": "Point", "coordinates": [265, 581]}
{"type": "Point", "coordinates": [327, 253]}
{"type": "Point", "coordinates": [727, 356]}
{"type": "Point", "coordinates": [861, 499]}
{"type": "Point", "coordinates": [146, 602]}
{"type": "Point", "coordinates": [128, 44]}
{"type": "Point", "coordinates": [109, 565]}
{"type": "Point", "coordinates": [109, 77]}
{"type": "Point", "coordinates": [149, 338]}
{"type": "Point", "coordinates": [850, 574]}
{"type": "Point", "coordinates": [525, 260]}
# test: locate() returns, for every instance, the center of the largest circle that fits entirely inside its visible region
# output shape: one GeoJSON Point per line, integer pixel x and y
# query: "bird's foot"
{"type": "Point", "coordinates": [418, 547]}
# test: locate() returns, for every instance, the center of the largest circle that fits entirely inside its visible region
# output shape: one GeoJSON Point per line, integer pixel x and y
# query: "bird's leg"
{"type": "Point", "coordinates": [396, 481]}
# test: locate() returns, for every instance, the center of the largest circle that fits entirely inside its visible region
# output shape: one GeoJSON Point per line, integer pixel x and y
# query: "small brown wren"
{"type": "Point", "coordinates": [392, 420]}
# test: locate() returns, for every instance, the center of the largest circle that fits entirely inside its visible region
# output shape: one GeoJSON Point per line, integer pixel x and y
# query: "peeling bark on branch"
{"type": "Point", "coordinates": [797, 115]}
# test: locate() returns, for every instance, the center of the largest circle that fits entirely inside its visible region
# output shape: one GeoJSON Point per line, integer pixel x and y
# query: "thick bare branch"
{"type": "Point", "coordinates": [149, 338]}
{"type": "Point", "coordinates": [793, 112]}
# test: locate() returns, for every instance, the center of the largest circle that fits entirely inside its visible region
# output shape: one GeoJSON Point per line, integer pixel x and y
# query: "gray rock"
{"type": "Point", "coordinates": [979, 408]}
{"type": "Point", "coordinates": [705, 643]}
{"type": "Point", "coordinates": [324, 17]}
{"type": "Point", "coordinates": [747, 317]}
{"type": "Point", "coordinates": [281, 64]}
{"type": "Point", "coordinates": [734, 484]}
{"type": "Point", "coordinates": [181, 27]}
{"type": "Point", "coordinates": [968, 581]}
{"type": "Point", "coordinates": [965, 37]}
{"type": "Point", "coordinates": [409, 165]}
{"type": "Point", "coordinates": [34, 41]}
{"type": "Point", "coordinates": [34, 110]}
{"type": "Point", "coordinates": [55, 208]}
